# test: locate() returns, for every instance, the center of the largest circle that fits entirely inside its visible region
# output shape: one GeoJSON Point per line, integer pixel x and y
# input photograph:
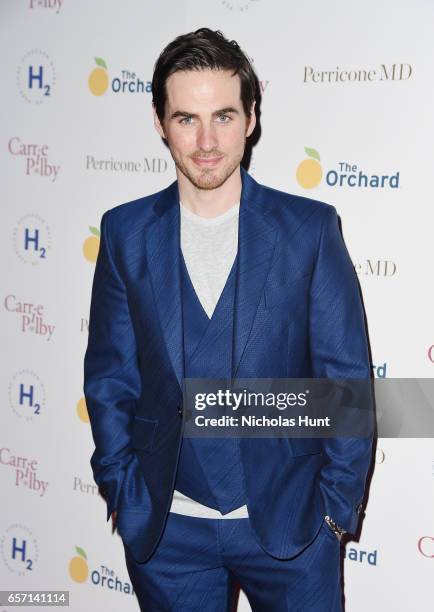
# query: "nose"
{"type": "Point", "coordinates": [206, 137]}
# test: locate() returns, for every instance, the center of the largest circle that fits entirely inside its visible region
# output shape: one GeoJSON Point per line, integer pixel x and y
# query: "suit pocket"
{"type": "Point", "coordinates": [134, 493]}
{"type": "Point", "coordinates": [143, 433]}
{"type": "Point", "coordinates": [286, 293]}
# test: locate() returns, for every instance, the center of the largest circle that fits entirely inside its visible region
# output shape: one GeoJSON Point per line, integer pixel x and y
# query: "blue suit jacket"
{"type": "Point", "coordinates": [297, 314]}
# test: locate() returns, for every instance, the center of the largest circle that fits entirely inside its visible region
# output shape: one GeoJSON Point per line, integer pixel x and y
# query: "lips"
{"type": "Point", "coordinates": [207, 162]}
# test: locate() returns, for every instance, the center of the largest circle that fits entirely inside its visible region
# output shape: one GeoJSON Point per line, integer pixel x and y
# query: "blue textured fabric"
{"type": "Point", "coordinates": [209, 470]}
{"type": "Point", "coordinates": [200, 564]}
{"type": "Point", "coordinates": [297, 314]}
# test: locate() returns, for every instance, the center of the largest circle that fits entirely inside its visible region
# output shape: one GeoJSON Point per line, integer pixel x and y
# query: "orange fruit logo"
{"type": "Point", "coordinates": [309, 171]}
{"type": "Point", "coordinates": [78, 568]}
{"type": "Point", "coordinates": [81, 407]}
{"type": "Point", "coordinates": [91, 245]}
{"type": "Point", "coordinates": [98, 79]}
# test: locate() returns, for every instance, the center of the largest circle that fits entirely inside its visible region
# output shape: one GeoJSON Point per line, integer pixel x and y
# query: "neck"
{"type": "Point", "coordinates": [210, 203]}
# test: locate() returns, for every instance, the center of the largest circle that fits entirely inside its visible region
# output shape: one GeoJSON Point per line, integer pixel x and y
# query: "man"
{"type": "Point", "coordinates": [220, 277]}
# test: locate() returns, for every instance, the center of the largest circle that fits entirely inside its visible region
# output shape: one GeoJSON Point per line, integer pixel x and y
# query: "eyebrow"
{"type": "Point", "coordinates": [222, 111]}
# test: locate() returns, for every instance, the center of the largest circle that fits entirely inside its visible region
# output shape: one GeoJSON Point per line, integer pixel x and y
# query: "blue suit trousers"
{"type": "Point", "coordinates": [200, 564]}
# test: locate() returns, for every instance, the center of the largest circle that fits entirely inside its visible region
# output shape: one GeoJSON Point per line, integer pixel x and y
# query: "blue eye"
{"type": "Point", "coordinates": [225, 117]}
{"type": "Point", "coordinates": [186, 120]}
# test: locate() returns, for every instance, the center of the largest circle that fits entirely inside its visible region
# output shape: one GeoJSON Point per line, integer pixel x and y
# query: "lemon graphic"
{"type": "Point", "coordinates": [309, 171]}
{"type": "Point", "coordinates": [91, 245]}
{"type": "Point", "coordinates": [78, 568]}
{"type": "Point", "coordinates": [98, 79]}
{"type": "Point", "coordinates": [82, 410]}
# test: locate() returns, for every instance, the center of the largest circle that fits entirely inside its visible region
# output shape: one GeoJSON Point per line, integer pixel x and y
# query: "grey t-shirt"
{"type": "Point", "coordinates": [209, 247]}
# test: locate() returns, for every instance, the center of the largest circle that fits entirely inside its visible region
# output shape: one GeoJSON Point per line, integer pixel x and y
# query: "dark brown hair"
{"type": "Point", "coordinates": [200, 50]}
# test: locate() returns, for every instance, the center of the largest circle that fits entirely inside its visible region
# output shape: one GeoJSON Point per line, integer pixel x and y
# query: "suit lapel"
{"type": "Point", "coordinates": [163, 257]}
{"type": "Point", "coordinates": [256, 239]}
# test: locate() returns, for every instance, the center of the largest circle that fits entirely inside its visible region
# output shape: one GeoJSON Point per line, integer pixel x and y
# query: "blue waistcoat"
{"type": "Point", "coordinates": [209, 470]}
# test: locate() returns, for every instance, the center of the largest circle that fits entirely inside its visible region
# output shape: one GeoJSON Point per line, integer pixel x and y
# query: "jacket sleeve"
{"type": "Point", "coordinates": [339, 350]}
{"type": "Point", "coordinates": [111, 374]}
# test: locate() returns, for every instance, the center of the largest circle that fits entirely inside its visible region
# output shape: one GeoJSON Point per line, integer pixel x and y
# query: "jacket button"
{"type": "Point", "coordinates": [179, 409]}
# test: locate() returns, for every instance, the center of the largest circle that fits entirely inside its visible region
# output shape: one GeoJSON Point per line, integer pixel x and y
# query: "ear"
{"type": "Point", "coordinates": [157, 124]}
{"type": "Point", "coordinates": [251, 122]}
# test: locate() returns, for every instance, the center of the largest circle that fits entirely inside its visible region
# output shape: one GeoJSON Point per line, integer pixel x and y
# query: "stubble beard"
{"type": "Point", "coordinates": [207, 178]}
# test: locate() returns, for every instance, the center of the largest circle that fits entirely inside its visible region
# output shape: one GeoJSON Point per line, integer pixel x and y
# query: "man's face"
{"type": "Point", "coordinates": [205, 125]}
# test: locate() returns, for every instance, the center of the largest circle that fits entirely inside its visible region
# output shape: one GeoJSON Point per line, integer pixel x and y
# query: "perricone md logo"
{"type": "Point", "coordinates": [31, 316]}
{"type": "Point", "coordinates": [27, 395]}
{"type": "Point", "coordinates": [309, 174]}
{"type": "Point", "coordinates": [19, 550]}
{"type": "Point", "coordinates": [376, 267]}
{"type": "Point", "coordinates": [383, 72]}
{"type": "Point", "coordinates": [147, 165]}
{"type": "Point", "coordinates": [32, 239]}
{"type": "Point", "coordinates": [127, 81]}
{"type": "Point", "coordinates": [24, 470]}
{"type": "Point", "coordinates": [36, 77]}
{"type": "Point", "coordinates": [82, 487]}
{"type": "Point", "coordinates": [79, 571]}
{"type": "Point", "coordinates": [35, 157]}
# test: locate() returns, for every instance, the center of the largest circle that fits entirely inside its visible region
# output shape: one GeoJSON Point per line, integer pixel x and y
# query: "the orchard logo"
{"type": "Point", "coordinates": [99, 81]}
{"type": "Point", "coordinates": [309, 174]}
{"type": "Point", "coordinates": [309, 171]}
{"type": "Point", "coordinates": [36, 77]}
{"type": "Point", "coordinates": [425, 546]}
{"type": "Point", "coordinates": [35, 157]}
{"type": "Point", "coordinates": [79, 571]}
{"type": "Point", "coordinates": [32, 239]}
{"type": "Point", "coordinates": [31, 316]}
{"type": "Point", "coordinates": [78, 567]}
{"type": "Point", "coordinates": [361, 556]}
{"type": "Point", "coordinates": [19, 550]}
{"type": "Point", "coordinates": [380, 370]}
{"type": "Point", "coordinates": [91, 244]}
{"type": "Point", "coordinates": [24, 471]}
{"type": "Point", "coordinates": [27, 395]}
{"type": "Point", "coordinates": [81, 410]}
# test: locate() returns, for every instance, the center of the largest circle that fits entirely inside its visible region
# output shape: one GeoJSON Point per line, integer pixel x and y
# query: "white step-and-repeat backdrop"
{"type": "Point", "coordinates": [347, 118]}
